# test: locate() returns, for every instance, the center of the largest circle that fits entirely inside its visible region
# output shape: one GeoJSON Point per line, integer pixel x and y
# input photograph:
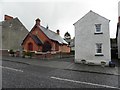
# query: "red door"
{"type": "Point", "coordinates": [30, 46]}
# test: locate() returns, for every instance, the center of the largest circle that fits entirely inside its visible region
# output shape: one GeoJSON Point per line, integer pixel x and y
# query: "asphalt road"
{"type": "Point", "coordinates": [18, 75]}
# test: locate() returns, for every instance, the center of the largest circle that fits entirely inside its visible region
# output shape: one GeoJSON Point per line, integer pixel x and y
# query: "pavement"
{"type": "Point", "coordinates": [64, 63]}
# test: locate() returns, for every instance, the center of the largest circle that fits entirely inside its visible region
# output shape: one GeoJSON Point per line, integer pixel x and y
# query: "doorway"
{"type": "Point", "coordinates": [30, 46]}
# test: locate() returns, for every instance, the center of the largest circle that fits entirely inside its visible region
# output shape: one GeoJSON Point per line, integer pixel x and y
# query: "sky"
{"type": "Point", "coordinates": [59, 14]}
{"type": "Point", "coordinates": [119, 8]}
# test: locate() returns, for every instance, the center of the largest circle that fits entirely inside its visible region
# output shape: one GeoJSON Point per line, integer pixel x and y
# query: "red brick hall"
{"type": "Point", "coordinates": [41, 39]}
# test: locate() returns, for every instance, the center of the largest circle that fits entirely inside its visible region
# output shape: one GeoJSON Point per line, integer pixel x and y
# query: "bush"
{"type": "Point", "coordinates": [11, 51]}
{"type": "Point", "coordinates": [72, 52]}
{"type": "Point", "coordinates": [27, 54]}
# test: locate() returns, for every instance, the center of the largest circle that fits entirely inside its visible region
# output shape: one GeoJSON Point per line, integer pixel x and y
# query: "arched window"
{"type": "Point", "coordinates": [30, 46]}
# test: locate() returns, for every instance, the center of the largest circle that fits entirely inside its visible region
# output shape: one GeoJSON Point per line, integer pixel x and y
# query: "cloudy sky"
{"type": "Point", "coordinates": [59, 14]}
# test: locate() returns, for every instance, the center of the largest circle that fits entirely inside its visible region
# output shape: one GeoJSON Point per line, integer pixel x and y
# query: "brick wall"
{"type": "Point", "coordinates": [64, 48]}
{"type": "Point", "coordinates": [30, 40]}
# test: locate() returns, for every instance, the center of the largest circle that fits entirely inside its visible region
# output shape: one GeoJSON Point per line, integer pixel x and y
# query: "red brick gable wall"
{"type": "Point", "coordinates": [40, 34]}
{"type": "Point", "coordinates": [30, 40]}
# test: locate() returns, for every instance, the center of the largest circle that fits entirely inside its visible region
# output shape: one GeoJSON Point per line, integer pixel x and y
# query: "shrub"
{"type": "Point", "coordinates": [11, 51]}
{"type": "Point", "coordinates": [29, 54]}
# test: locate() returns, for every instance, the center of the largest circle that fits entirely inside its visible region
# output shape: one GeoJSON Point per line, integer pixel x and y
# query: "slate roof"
{"type": "Point", "coordinates": [37, 40]}
{"type": "Point", "coordinates": [53, 36]}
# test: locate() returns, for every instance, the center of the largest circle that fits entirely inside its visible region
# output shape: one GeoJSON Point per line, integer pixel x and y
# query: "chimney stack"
{"type": "Point", "coordinates": [47, 27]}
{"type": "Point", "coordinates": [58, 32]}
{"type": "Point", "coordinates": [6, 17]}
{"type": "Point", "coordinates": [37, 22]}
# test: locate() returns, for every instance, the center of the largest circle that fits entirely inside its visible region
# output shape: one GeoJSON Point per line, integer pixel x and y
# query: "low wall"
{"type": "Point", "coordinates": [53, 55]}
{"type": "Point", "coordinates": [41, 55]}
{"type": "Point", "coordinates": [4, 53]}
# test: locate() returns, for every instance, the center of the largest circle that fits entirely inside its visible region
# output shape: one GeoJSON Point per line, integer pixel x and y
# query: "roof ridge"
{"type": "Point", "coordinates": [47, 29]}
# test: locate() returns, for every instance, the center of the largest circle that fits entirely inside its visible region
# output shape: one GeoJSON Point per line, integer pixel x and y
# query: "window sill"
{"type": "Point", "coordinates": [96, 33]}
{"type": "Point", "coordinates": [99, 54]}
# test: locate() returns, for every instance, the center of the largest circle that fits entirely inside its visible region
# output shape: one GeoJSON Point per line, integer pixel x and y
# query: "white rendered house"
{"type": "Point", "coordinates": [92, 39]}
{"type": "Point", "coordinates": [118, 37]}
{"type": "Point", "coordinates": [118, 31]}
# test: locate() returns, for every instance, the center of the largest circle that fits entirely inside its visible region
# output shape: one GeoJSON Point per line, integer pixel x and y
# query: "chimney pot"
{"type": "Point", "coordinates": [58, 32]}
{"type": "Point", "coordinates": [37, 21]}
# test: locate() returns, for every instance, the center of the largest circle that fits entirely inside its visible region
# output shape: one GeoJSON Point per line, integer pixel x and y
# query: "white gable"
{"type": "Point", "coordinates": [92, 15]}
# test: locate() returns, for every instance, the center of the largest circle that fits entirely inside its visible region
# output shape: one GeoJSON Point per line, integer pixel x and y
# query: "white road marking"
{"type": "Point", "coordinates": [62, 79]}
{"type": "Point", "coordinates": [11, 69]}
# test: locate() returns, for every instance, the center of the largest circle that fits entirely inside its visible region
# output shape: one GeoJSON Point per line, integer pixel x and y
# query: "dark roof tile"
{"type": "Point", "coordinates": [37, 40]}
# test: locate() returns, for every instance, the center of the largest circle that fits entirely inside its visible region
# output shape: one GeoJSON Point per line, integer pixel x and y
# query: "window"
{"type": "Point", "coordinates": [98, 48]}
{"type": "Point", "coordinates": [98, 27]}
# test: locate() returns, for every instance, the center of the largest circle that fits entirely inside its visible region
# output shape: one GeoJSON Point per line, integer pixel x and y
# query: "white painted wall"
{"type": "Point", "coordinates": [85, 39]}
{"type": "Point", "coordinates": [118, 38]}
{"type": "Point", "coordinates": [118, 41]}
{"type": "Point", "coordinates": [0, 55]}
{"type": "Point", "coordinates": [0, 35]}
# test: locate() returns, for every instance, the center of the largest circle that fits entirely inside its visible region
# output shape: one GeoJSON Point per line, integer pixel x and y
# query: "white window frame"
{"type": "Point", "coordinates": [98, 28]}
{"type": "Point", "coordinates": [97, 47]}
